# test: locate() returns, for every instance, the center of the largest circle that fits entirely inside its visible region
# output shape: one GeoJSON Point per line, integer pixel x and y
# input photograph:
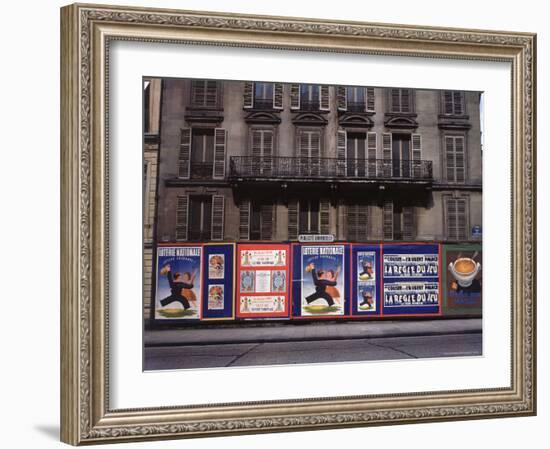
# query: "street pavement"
{"type": "Point", "coordinates": [284, 343]}
{"type": "Point", "coordinates": [320, 351]}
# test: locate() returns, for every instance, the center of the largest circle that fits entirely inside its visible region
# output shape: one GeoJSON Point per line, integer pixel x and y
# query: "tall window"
{"type": "Point", "coordinates": [202, 153]}
{"type": "Point", "coordinates": [398, 221]}
{"type": "Point", "coordinates": [262, 144]}
{"type": "Point", "coordinates": [356, 99]}
{"type": "Point", "coordinates": [456, 218]}
{"type": "Point", "coordinates": [309, 97]}
{"type": "Point", "coordinates": [256, 220]}
{"type": "Point", "coordinates": [401, 100]}
{"type": "Point", "coordinates": [309, 219]}
{"type": "Point", "coordinates": [200, 217]}
{"type": "Point", "coordinates": [453, 102]}
{"type": "Point", "coordinates": [455, 160]}
{"type": "Point", "coordinates": [309, 151]}
{"type": "Point", "coordinates": [204, 93]}
{"type": "Point", "coordinates": [357, 222]}
{"type": "Point", "coordinates": [263, 95]}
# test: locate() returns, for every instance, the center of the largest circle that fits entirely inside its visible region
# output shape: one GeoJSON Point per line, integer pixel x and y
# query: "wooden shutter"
{"type": "Point", "coordinates": [416, 153]}
{"type": "Point", "coordinates": [294, 96]}
{"type": "Point", "coordinates": [184, 158]}
{"type": "Point", "coordinates": [244, 220]}
{"type": "Point", "coordinates": [369, 99]}
{"type": "Point", "coordinates": [266, 230]}
{"type": "Point", "coordinates": [324, 99]}
{"type": "Point", "coordinates": [408, 223]}
{"type": "Point", "coordinates": [220, 138]}
{"type": "Point", "coordinates": [198, 92]}
{"type": "Point", "coordinates": [395, 100]}
{"type": "Point", "coordinates": [457, 103]}
{"type": "Point", "coordinates": [218, 202]}
{"type": "Point", "coordinates": [387, 220]}
{"type": "Point", "coordinates": [342, 98]}
{"type": "Point", "coordinates": [182, 217]}
{"type": "Point", "coordinates": [448, 102]}
{"type": "Point", "coordinates": [455, 158]}
{"type": "Point", "coordinates": [211, 99]}
{"type": "Point", "coordinates": [293, 220]}
{"type": "Point", "coordinates": [342, 141]}
{"type": "Point", "coordinates": [457, 218]}
{"type": "Point", "coordinates": [462, 219]}
{"type": "Point", "coordinates": [387, 154]}
{"type": "Point", "coordinates": [324, 211]}
{"type": "Point", "coordinates": [371, 153]}
{"type": "Point", "coordinates": [357, 222]}
{"type": "Point", "coordinates": [277, 96]}
{"type": "Point", "coordinates": [248, 95]}
{"type": "Point", "coordinates": [405, 100]}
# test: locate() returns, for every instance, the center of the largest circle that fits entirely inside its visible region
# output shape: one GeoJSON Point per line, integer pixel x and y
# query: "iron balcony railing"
{"type": "Point", "coordinates": [329, 168]}
{"type": "Point", "coordinates": [202, 170]}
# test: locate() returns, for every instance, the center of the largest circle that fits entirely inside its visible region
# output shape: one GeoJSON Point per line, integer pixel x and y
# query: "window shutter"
{"type": "Point", "coordinates": [395, 100]}
{"type": "Point", "coordinates": [462, 219]}
{"type": "Point", "coordinates": [357, 222]}
{"type": "Point", "coordinates": [244, 220]}
{"type": "Point", "coordinates": [342, 98]}
{"type": "Point", "coordinates": [408, 223]}
{"type": "Point", "coordinates": [217, 216]}
{"type": "Point", "coordinates": [184, 158]}
{"type": "Point", "coordinates": [267, 163]}
{"type": "Point", "coordinates": [294, 96]}
{"type": "Point", "coordinates": [460, 159]}
{"type": "Point", "coordinates": [293, 220]}
{"type": "Point", "coordinates": [455, 158]}
{"type": "Point", "coordinates": [405, 100]}
{"type": "Point", "coordinates": [369, 99]}
{"type": "Point", "coordinates": [315, 144]}
{"type": "Point", "coordinates": [324, 99]}
{"type": "Point", "coordinates": [457, 100]}
{"type": "Point", "coordinates": [267, 221]}
{"type": "Point", "coordinates": [416, 154]}
{"type": "Point", "coordinates": [220, 138]}
{"type": "Point", "coordinates": [248, 95]}
{"type": "Point", "coordinates": [324, 210]}
{"type": "Point", "coordinates": [198, 92]}
{"type": "Point", "coordinates": [387, 218]}
{"type": "Point", "coordinates": [277, 96]}
{"type": "Point", "coordinates": [256, 145]}
{"type": "Point", "coordinates": [387, 153]}
{"type": "Point", "coordinates": [447, 102]}
{"type": "Point", "coordinates": [341, 148]}
{"type": "Point", "coordinates": [457, 218]}
{"type": "Point", "coordinates": [371, 153]}
{"type": "Point", "coordinates": [211, 94]}
{"type": "Point", "coordinates": [182, 214]}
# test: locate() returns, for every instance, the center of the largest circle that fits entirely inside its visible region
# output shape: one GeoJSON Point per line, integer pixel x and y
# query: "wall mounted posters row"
{"type": "Point", "coordinates": [301, 281]}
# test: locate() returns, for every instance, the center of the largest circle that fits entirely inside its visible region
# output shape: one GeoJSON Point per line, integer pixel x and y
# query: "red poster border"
{"type": "Point", "coordinates": [262, 246]}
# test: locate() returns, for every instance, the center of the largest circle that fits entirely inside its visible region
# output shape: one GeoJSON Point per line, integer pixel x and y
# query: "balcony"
{"type": "Point", "coordinates": [329, 169]}
{"type": "Point", "coordinates": [202, 170]}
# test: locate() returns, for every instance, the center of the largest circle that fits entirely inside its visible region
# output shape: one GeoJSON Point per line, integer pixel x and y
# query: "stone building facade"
{"type": "Point", "coordinates": [251, 161]}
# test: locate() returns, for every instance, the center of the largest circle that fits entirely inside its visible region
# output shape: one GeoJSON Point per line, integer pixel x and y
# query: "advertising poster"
{"type": "Point", "coordinates": [411, 277]}
{"type": "Point", "coordinates": [365, 280]}
{"type": "Point", "coordinates": [462, 279]}
{"type": "Point", "coordinates": [262, 290]}
{"type": "Point", "coordinates": [219, 278]}
{"type": "Point", "coordinates": [321, 280]}
{"type": "Point", "coordinates": [178, 282]}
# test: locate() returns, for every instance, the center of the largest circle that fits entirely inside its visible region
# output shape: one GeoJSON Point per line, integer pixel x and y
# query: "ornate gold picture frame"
{"type": "Point", "coordinates": [87, 32]}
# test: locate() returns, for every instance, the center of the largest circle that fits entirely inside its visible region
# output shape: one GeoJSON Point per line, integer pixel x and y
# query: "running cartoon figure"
{"type": "Point", "coordinates": [325, 285]}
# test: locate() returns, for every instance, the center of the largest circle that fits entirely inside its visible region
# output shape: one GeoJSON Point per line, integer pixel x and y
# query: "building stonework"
{"type": "Point", "coordinates": [246, 161]}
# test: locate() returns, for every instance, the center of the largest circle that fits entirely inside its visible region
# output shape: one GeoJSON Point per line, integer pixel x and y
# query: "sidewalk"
{"type": "Point", "coordinates": [310, 332]}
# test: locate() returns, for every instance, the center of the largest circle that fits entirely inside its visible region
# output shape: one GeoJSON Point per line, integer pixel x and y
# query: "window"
{"type": "Point", "coordinates": [256, 220]}
{"type": "Point", "coordinates": [402, 155]}
{"type": "Point", "coordinates": [204, 93]}
{"type": "Point", "coordinates": [398, 221]}
{"type": "Point", "coordinates": [453, 102]}
{"type": "Point", "coordinates": [357, 222]}
{"type": "Point", "coordinates": [455, 158]}
{"type": "Point", "coordinates": [401, 100]}
{"type": "Point", "coordinates": [309, 152]}
{"type": "Point", "coordinates": [309, 97]}
{"type": "Point", "coordinates": [262, 151]}
{"type": "Point", "coordinates": [202, 153]}
{"type": "Point", "coordinates": [146, 106]}
{"type": "Point", "coordinates": [200, 217]}
{"type": "Point", "coordinates": [456, 215]}
{"type": "Point", "coordinates": [263, 95]}
{"type": "Point", "coordinates": [308, 217]}
{"type": "Point", "coordinates": [355, 99]}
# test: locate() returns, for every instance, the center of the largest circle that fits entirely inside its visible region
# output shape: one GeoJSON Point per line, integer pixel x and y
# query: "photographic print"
{"type": "Point", "coordinates": [344, 208]}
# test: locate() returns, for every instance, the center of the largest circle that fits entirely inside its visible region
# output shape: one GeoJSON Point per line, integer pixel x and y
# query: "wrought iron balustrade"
{"type": "Point", "coordinates": [328, 168]}
{"type": "Point", "coordinates": [202, 170]}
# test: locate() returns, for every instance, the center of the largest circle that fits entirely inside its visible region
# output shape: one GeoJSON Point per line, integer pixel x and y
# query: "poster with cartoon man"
{"type": "Point", "coordinates": [323, 280]}
{"type": "Point", "coordinates": [178, 282]}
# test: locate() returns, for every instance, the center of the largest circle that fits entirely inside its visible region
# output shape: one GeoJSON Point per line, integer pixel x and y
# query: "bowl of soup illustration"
{"type": "Point", "coordinates": [464, 270]}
